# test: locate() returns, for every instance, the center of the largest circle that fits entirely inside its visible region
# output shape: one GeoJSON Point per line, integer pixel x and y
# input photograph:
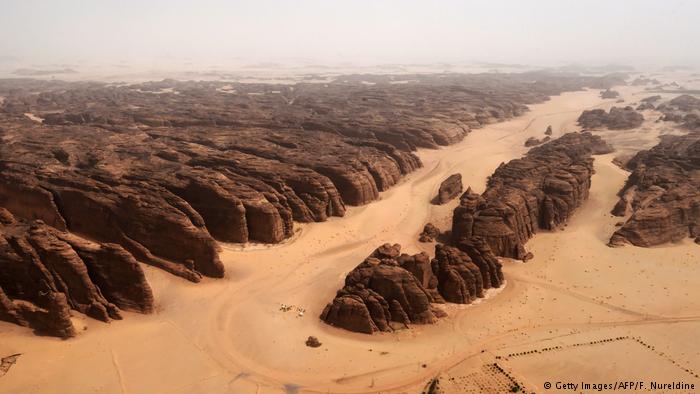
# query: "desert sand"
{"type": "Point", "coordinates": [229, 335]}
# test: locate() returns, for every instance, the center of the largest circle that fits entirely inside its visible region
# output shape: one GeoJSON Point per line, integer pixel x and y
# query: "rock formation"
{"type": "Point", "coordinates": [616, 119]}
{"type": "Point", "coordinates": [449, 189]}
{"type": "Point", "coordinates": [45, 272]}
{"type": "Point", "coordinates": [241, 161]}
{"type": "Point", "coordinates": [662, 194]}
{"type": "Point", "coordinates": [609, 94]}
{"type": "Point", "coordinates": [539, 191]}
{"type": "Point", "coordinates": [430, 233]}
{"type": "Point", "coordinates": [380, 291]}
{"type": "Point", "coordinates": [651, 99]}
{"type": "Point", "coordinates": [532, 141]}
{"type": "Point", "coordinates": [647, 103]}
{"type": "Point", "coordinates": [684, 109]}
{"type": "Point", "coordinates": [312, 341]}
{"type": "Point", "coordinates": [641, 81]}
{"type": "Point", "coordinates": [158, 172]}
{"type": "Point", "coordinates": [390, 290]}
{"type": "Point", "coordinates": [645, 107]}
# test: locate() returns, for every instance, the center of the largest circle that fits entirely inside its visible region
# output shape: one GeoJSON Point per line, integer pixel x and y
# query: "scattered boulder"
{"type": "Point", "coordinates": [449, 189]}
{"type": "Point", "coordinates": [430, 233]}
{"type": "Point", "coordinates": [313, 342]}
{"type": "Point", "coordinates": [609, 94]}
{"type": "Point", "coordinates": [548, 131]}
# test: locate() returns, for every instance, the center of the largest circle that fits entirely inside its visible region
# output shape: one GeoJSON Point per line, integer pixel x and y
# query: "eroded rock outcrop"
{"type": "Point", "coordinates": [647, 103]}
{"type": "Point", "coordinates": [609, 94]}
{"type": "Point", "coordinates": [245, 160]}
{"type": "Point", "coordinates": [449, 189]}
{"type": "Point", "coordinates": [532, 141]}
{"type": "Point", "coordinates": [160, 171]}
{"type": "Point", "coordinates": [380, 292]}
{"type": "Point", "coordinates": [45, 272]}
{"type": "Point", "coordinates": [391, 290]}
{"type": "Point", "coordinates": [154, 225]}
{"type": "Point", "coordinates": [615, 119]}
{"type": "Point", "coordinates": [684, 109]}
{"type": "Point", "coordinates": [539, 191]}
{"type": "Point", "coordinates": [642, 80]}
{"type": "Point", "coordinates": [645, 107]}
{"type": "Point", "coordinates": [662, 194]}
{"type": "Point", "coordinates": [429, 234]}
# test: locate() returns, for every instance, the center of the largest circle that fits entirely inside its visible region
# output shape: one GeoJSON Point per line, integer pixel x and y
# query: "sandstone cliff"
{"type": "Point", "coordinates": [45, 272]}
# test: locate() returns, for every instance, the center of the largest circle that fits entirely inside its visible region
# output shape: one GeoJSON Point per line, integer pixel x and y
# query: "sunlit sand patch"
{"type": "Point", "coordinates": [34, 117]}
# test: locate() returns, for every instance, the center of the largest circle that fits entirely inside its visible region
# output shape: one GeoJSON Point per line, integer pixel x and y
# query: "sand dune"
{"type": "Point", "coordinates": [229, 335]}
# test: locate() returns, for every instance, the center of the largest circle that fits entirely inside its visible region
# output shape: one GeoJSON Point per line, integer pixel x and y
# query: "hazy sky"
{"type": "Point", "coordinates": [542, 32]}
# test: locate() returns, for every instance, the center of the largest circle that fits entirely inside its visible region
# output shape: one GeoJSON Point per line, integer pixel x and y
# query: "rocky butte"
{"type": "Point", "coordinates": [391, 290]}
{"type": "Point", "coordinates": [95, 177]}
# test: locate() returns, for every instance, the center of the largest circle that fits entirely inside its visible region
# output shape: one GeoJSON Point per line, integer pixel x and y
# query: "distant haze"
{"type": "Point", "coordinates": [543, 32]}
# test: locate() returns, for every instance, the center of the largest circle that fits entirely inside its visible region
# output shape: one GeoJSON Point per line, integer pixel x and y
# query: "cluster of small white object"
{"type": "Point", "coordinates": [287, 308]}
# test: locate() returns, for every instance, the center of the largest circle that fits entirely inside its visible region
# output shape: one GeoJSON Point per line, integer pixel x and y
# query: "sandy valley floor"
{"type": "Point", "coordinates": [229, 336]}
